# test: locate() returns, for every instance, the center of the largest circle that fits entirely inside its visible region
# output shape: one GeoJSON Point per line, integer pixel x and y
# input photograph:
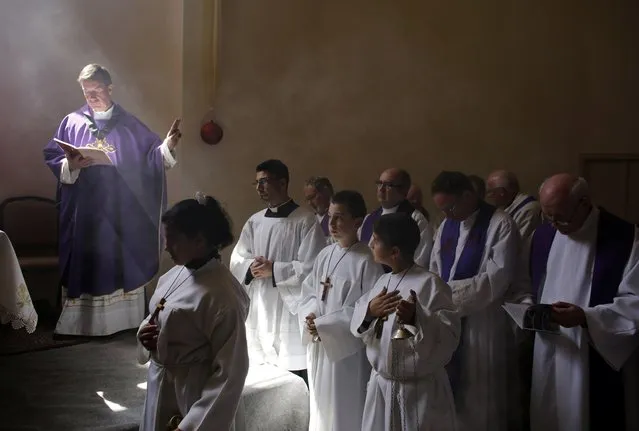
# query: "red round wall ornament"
{"type": "Point", "coordinates": [211, 132]}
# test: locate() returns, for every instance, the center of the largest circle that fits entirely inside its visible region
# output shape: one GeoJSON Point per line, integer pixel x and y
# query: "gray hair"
{"type": "Point", "coordinates": [95, 72]}
{"type": "Point", "coordinates": [321, 184]}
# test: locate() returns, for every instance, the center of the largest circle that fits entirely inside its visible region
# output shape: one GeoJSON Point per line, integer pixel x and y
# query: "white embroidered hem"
{"type": "Point", "coordinates": [101, 315]}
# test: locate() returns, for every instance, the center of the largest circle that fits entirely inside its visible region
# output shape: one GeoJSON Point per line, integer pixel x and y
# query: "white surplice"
{"type": "Point", "coordinates": [482, 399]}
{"type": "Point", "coordinates": [559, 398]}
{"type": "Point", "coordinates": [528, 217]}
{"type": "Point", "coordinates": [409, 387]}
{"type": "Point", "coordinates": [292, 243]}
{"type": "Point", "coordinates": [423, 251]}
{"type": "Point", "coordinates": [201, 361]}
{"type": "Point", "coordinates": [337, 366]}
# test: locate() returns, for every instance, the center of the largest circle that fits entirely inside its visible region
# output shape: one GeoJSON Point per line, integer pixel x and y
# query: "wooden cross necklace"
{"type": "Point", "coordinates": [160, 306]}
{"type": "Point", "coordinates": [379, 325]}
{"type": "Point", "coordinates": [327, 280]}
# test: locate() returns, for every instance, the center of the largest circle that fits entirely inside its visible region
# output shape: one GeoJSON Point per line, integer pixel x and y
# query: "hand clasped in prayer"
{"type": "Point", "coordinates": [568, 315]}
{"type": "Point", "coordinates": [148, 336]}
{"type": "Point", "coordinates": [310, 324]}
{"type": "Point", "coordinates": [262, 267]}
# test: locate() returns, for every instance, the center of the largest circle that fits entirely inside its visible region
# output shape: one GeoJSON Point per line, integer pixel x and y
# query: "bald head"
{"type": "Point", "coordinates": [565, 200]}
{"type": "Point", "coordinates": [502, 187]}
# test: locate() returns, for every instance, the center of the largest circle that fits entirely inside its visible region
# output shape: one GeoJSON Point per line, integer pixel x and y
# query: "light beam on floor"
{"type": "Point", "coordinates": [110, 404]}
{"type": "Point", "coordinates": [142, 386]}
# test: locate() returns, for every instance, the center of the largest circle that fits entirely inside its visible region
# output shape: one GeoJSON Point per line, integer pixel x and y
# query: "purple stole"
{"type": "Point", "coordinates": [521, 205]}
{"type": "Point", "coordinates": [467, 267]}
{"type": "Point", "coordinates": [324, 225]}
{"type": "Point", "coordinates": [369, 222]}
{"type": "Point", "coordinates": [615, 238]}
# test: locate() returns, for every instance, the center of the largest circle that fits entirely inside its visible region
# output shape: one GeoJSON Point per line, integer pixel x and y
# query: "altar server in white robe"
{"type": "Point", "coordinates": [275, 253]}
{"type": "Point", "coordinates": [408, 388]}
{"type": "Point", "coordinates": [585, 262]}
{"type": "Point", "coordinates": [195, 338]}
{"type": "Point", "coordinates": [392, 191]}
{"type": "Point", "coordinates": [503, 191]}
{"type": "Point", "coordinates": [476, 252]}
{"type": "Point", "coordinates": [337, 364]}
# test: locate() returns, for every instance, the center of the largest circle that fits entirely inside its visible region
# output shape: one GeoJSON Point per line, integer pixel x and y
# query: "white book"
{"type": "Point", "coordinates": [99, 157]}
{"type": "Point", "coordinates": [532, 317]}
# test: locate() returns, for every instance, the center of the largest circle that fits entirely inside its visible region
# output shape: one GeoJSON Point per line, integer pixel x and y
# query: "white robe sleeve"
{"type": "Point", "coordinates": [614, 328]}
{"type": "Point", "coordinates": [242, 255]}
{"type": "Point", "coordinates": [437, 329]}
{"type": "Point", "coordinates": [474, 294]}
{"type": "Point", "coordinates": [308, 301]}
{"type": "Point", "coordinates": [67, 176]}
{"type": "Point", "coordinates": [434, 255]}
{"type": "Point", "coordinates": [143, 355]}
{"type": "Point", "coordinates": [288, 276]}
{"type": "Point", "coordinates": [528, 219]}
{"type": "Point", "coordinates": [167, 155]}
{"type": "Point", "coordinates": [216, 408]}
{"type": "Point", "coordinates": [423, 251]}
{"type": "Point", "coordinates": [334, 328]}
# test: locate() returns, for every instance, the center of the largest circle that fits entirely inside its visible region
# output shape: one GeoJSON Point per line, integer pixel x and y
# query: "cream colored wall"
{"type": "Point", "coordinates": [347, 88]}
{"type": "Point", "coordinates": [45, 43]}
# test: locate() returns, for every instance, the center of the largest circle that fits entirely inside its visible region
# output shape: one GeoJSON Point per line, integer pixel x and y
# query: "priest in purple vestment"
{"type": "Point", "coordinates": [318, 192]}
{"type": "Point", "coordinates": [109, 213]}
{"type": "Point", "coordinates": [392, 191]}
{"type": "Point", "coordinates": [475, 252]}
{"type": "Point", "coordinates": [584, 261]}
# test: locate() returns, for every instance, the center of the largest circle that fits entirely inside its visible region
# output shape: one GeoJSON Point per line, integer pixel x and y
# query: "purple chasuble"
{"type": "Point", "coordinates": [324, 225]}
{"type": "Point", "coordinates": [615, 238]}
{"type": "Point", "coordinates": [369, 222]}
{"type": "Point", "coordinates": [467, 267]}
{"type": "Point", "coordinates": [109, 218]}
{"type": "Point", "coordinates": [521, 205]}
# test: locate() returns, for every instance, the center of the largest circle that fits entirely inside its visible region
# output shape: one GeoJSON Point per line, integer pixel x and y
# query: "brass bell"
{"type": "Point", "coordinates": [402, 333]}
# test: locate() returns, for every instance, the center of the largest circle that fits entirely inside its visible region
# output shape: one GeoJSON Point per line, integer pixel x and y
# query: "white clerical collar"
{"type": "Point", "coordinates": [105, 115]}
{"type": "Point", "coordinates": [590, 225]}
{"type": "Point", "coordinates": [390, 210]}
{"type": "Point", "coordinates": [275, 209]}
{"type": "Point", "coordinates": [470, 220]}
{"type": "Point", "coordinates": [320, 217]}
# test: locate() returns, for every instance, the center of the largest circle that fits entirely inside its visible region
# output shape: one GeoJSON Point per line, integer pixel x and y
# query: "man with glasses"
{"type": "Point", "coordinates": [475, 252]}
{"type": "Point", "coordinates": [392, 191]}
{"type": "Point", "coordinates": [503, 192]}
{"type": "Point", "coordinates": [276, 251]}
{"type": "Point", "coordinates": [585, 263]}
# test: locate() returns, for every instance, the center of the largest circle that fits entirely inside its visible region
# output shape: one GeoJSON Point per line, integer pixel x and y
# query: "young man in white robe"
{"type": "Point", "coordinates": [476, 251]}
{"type": "Point", "coordinates": [585, 263]}
{"type": "Point", "coordinates": [275, 253]}
{"type": "Point", "coordinates": [408, 387]}
{"type": "Point", "coordinates": [392, 191]}
{"type": "Point", "coordinates": [337, 366]}
{"type": "Point", "coordinates": [318, 192]}
{"type": "Point", "coordinates": [195, 338]}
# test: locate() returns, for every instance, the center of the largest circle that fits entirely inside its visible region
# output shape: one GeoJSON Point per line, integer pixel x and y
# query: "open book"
{"type": "Point", "coordinates": [532, 317]}
{"type": "Point", "coordinates": [99, 157]}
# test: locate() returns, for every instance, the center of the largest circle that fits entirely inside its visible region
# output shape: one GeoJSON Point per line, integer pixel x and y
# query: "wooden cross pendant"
{"type": "Point", "coordinates": [157, 310]}
{"type": "Point", "coordinates": [327, 285]}
{"type": "Point", "coordinates": [379, 326]}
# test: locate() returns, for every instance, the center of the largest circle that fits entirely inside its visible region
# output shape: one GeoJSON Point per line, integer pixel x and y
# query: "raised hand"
{"type": "Point", "coordinates": [384, 303]}
{"type": "Point", "coordinates": [174, 135]}
{"type": "Point", "coordinates": [406, 309]}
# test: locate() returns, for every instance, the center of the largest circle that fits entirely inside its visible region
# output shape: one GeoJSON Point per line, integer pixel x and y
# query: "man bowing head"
{"type": "Point", "coordinates": [585, 263]}
{"type": "Point", "coordinates": [275, 253]}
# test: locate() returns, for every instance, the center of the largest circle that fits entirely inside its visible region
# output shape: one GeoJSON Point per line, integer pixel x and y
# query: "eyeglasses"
{"type": "Point", "coordinates": [494, 191]}
{"type": "Point", "coordinates": [562, 223]}
{"type": "Point", "coordinates": [381, 184]}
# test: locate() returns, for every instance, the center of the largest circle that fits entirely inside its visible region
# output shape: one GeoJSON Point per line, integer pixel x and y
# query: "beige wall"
{"type": "Point", "coordinates": [338, 88]}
